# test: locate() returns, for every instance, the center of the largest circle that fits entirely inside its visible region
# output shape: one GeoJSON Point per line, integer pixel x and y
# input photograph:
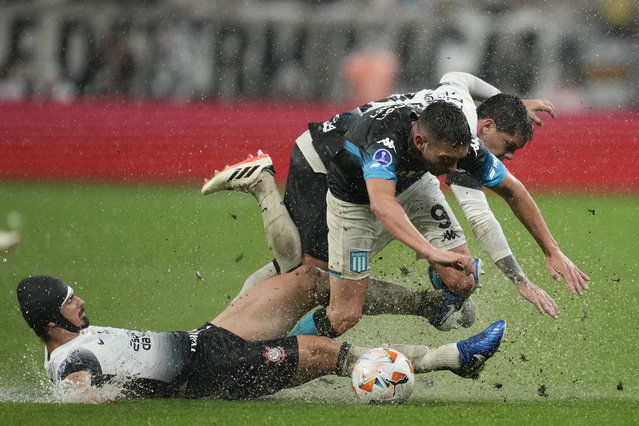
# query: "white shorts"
{"type": "Point", "coordinates": [355, 234]}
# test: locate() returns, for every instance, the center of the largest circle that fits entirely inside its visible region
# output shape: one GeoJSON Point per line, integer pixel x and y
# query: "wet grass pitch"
{"type": "Point", "coordinates": [168, 258]}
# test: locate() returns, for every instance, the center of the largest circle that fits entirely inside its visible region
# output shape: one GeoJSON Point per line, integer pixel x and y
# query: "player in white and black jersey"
{"type": "Point", "coordinates": [502, 124]}
{"type": "Point", "coordinates": [240, 354]}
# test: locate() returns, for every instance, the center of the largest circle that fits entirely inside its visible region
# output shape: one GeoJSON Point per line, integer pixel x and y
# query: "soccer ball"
{"type": "Point", "coordinates": [383, 375]}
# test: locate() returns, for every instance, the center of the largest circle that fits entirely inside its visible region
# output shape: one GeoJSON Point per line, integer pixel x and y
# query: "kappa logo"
{"type": "Point", "coordinates": [275, 355]}
{"type": "Point", "coordinates": [449, 235]}
{"type": "Point", "coordinates": [388, 143]}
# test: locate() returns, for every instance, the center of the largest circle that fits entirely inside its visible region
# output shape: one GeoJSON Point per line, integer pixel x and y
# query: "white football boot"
{"type": "Point", "coordinates": [240, 176]}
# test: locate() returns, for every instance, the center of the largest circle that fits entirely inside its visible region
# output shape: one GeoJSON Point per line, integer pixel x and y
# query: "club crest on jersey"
{"type": "Point", "coordinates": [275, 354]}
{"type": "Point", "coordinates": [383, 157]}
{"type": "Point", "coordinates": [359, 261]}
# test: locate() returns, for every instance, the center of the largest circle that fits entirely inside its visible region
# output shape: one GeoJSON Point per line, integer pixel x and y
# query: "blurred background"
{"type": "Point", "coordinates": [582, 54]}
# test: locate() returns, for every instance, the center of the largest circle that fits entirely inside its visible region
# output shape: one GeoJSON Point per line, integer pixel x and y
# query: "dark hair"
{"type": "Point", "coordinates": [446, 123]}
{"type": "Point", "coordinates": [509, 114]}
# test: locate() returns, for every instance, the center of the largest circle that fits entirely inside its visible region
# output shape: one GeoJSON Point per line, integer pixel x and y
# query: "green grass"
{"type": "Point", "coordinates": [170, 259]}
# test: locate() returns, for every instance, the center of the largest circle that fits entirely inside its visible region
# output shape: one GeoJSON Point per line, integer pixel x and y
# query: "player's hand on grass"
{"type": "Point", "coordinates": [77, 388]}
{"type": "Point", "coordinates": [538, 297]}
{"type": "Point", "coordinates": [533, 106]}
{"type": "Point", "coordinates": [559, 265]}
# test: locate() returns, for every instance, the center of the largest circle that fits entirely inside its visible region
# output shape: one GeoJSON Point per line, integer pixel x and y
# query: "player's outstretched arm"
{"type": "Point", "coordinates": [76, 387]}
{"type": "Point", "coordinates": [529, 291]}
{"type": "Point", "coordinates": [384, 205]}
{"type": "Point", "coordinates": [533, 106]}
{"type": "Point", "coordinates": [478, 88]}
{"type": "Point", "coordinates": [526, 210]}
{"type": "Point", "coordinates": [492, 239]}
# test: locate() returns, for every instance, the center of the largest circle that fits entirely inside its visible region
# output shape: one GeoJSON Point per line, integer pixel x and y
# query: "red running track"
{"type": "Point", "coordinates": [156, 142]}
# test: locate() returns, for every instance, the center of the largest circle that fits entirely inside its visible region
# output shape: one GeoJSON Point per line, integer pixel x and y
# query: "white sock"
{"type": "Point", "coordinates": [424, 360]}
{"type": "Point", "coordinates": [281, 233]}
{"type": "Point", "coordinates": [264, 273]}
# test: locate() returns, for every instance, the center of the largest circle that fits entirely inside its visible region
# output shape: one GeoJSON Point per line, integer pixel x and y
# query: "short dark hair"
{"type": "Point", "coordinates": [509, 114]}
{"type": "Point", "coordinates": [446, 122]}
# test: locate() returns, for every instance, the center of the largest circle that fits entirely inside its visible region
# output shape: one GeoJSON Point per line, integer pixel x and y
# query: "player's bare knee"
{"type": "Point", "coordinates": [311, 282]}
{"type": "Point", "coordinates": [313, 279]}
{"type": "Point", "coordinates": [344, 321]}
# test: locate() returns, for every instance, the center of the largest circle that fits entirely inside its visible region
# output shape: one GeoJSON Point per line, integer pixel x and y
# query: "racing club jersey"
{"type": "Point", "coordinates": [149, 362]}
{"type": "Point", "coordinates": [377, 145]}
{"type": "Point", "coordinates": [328, 135]}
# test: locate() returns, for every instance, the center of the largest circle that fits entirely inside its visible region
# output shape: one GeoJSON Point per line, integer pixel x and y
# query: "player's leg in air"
{"type": "Point", "coordinates": [320, 356]}
{"type": "Point", "coordinates": [299, 226]}
{"type": "Point", "coordinates": [255, 176]}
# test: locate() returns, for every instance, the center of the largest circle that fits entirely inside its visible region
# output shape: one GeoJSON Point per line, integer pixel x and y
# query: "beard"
{"type": "Point", "coordinates": [84, 320]}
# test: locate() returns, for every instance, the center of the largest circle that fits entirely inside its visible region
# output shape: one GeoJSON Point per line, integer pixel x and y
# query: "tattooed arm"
{"type": "Point", "coordinates": [492, 239]}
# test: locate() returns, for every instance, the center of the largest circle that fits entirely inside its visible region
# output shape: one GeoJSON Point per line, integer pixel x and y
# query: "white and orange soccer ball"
{"type": "Point", "coordinates": [383, 375]}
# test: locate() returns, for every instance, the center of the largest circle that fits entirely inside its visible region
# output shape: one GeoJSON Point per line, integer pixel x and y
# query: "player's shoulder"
{"type": "Point", "coordinates": [75, 356]}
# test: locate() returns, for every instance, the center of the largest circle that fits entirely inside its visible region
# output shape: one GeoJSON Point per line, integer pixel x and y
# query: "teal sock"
{"type": "Point", "coordinates": [305, 327]}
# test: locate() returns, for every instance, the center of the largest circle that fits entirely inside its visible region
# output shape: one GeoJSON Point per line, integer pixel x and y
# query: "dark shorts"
{"type": "Point", "coordinates": [223, 365]}
{"type": "Point", "coordinates": [305, 199]}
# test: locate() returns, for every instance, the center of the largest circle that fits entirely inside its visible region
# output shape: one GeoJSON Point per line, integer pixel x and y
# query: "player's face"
{"type": "Point", "coordinates": [503, 145]}
{"type": "Point", "coordinates": [442, 157]}
{"type": "Point", "coordinates": [73, 310]}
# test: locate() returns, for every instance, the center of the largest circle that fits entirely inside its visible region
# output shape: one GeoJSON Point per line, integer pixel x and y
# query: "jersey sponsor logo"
{"type": "Point", "coordinates": [193, 334]}
{"type": "Point", "coordinates": [329, 125]}
{"type": "Point", "coordinates": [449, 235]}
{"type": "Point", "coordinates": [383, 112]}
{"type": "Point", "coordinates": [275, 355]}
{"type": "Point", "coordinates": [383, 157]}
{"type": "Point", "coordinates": [474, 145]}
{"type": "Point", "coordinates": [140, 341]}
{"type": "Point", "coordinates": [388, 143]}
{"type": "Point", "coordinates": [359, 261]}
